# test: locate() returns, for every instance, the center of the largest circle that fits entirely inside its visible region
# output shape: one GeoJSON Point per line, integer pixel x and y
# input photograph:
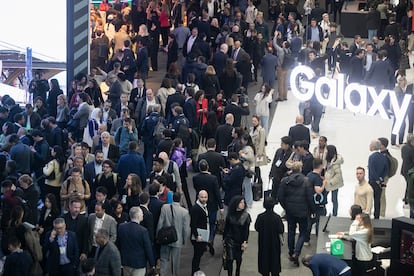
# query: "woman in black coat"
{"type": "Point", "coordinates": [54, 92]}
{"type": "Point", "coordinates": [229, 80]}
{"type": "Point", "coordinates": [244, 67]}
{"type": "Point", "coordinates": [94, 92]}
{"type": "Point", "coordinates": [236, 233]}
{"type": "Point", "coordinates": [48, 213]}
{"type": "Point", "coordinates": [210, 83]}
{"type": "Point", "coordinates": [269, 225]}
{"type": "Point", "coordinates": [172, 50]}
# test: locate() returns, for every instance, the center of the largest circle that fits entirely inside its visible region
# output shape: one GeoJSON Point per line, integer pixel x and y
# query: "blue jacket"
{"type": "Point", "coordinates": [123, 137]}
{"type": "Point", "coordinates": [326, 265]}
{"type": "Point", "coordinates": [377, 167]}
{"type": "Point", "coordinates": [134, 245]}
{"type": "Point", "coordinates": [132, 162]}
{"type": "Point", "coordinates": [148, 126]}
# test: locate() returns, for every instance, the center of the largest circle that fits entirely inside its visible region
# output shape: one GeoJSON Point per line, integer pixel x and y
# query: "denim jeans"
{"type": "Point", "coordinates": [303, 225]}
{"type": "Point", "coordinates": [334, 196]}
{"type": "Point", "coordinates": [371, 34]}
{"type": "Point", "coordinates": [320, 211]}
{"type": "Point", "coordinates": [212, 217]}
{"type": "Point", "coordinates": [264, 122]}
{"type": "Point", "coordinates": [248, 193]}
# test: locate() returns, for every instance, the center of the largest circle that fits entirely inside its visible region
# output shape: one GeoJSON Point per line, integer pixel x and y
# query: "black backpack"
{"type": "Point", "coordinates": [288, 60]}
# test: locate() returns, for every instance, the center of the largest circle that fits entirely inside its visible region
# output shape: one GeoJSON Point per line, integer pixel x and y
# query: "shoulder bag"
{"type": "Point", "coordinates": [167, 234]}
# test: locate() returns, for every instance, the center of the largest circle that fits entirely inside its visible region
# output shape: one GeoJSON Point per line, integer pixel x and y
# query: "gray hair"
{"type": "Point", "coordinates": [199, 273]}
{"type": "Point", "coordinates": [103, 233]}
{"type": "Point", "coordinates": [59, 221]}
{"type": "Point", "coordinates": [375, 144]}
{"type": "Point", "coordinates": [135, 213]}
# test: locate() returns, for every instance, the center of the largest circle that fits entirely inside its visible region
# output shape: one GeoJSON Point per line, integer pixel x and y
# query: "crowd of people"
{"type": "Point", "coordinates": [78, 195]}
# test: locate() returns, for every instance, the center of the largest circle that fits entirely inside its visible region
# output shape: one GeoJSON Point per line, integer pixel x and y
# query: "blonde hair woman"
{"type": "Point", "coordinates": [210, 83]}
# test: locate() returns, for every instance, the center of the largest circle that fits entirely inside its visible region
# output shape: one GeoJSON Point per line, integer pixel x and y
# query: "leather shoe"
{"type": "Point", "coordinates": [211, 249]}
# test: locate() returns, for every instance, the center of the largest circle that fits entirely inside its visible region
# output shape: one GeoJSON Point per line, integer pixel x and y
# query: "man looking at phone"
{"type": "Point", "coordinates": [62, 250]}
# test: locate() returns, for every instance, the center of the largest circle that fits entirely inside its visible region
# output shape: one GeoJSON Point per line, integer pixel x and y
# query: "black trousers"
{"type": "Point", "coordinates": [377, 198]}
{"type": "Point", "coordinates": [199, 248]}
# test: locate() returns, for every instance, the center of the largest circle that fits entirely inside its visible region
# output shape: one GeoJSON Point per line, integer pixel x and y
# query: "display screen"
{"type": "Point", "coordinates": [407, 247]}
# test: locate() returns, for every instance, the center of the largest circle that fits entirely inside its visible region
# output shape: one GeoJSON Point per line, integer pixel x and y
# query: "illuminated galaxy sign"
{"type": "Point", "coordinates": [340, 96]}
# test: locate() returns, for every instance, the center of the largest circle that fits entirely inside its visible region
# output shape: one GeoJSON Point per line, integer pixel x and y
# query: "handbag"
{"type": "Point", "coordinates": [51, 176]}
{"type": "Point", "coordinates": [268, 192]}
{"type": "Point", "coordinates": [167, 234]}
{"type": "Point", "coordinates": [220, 222]}
{"type": "Point", "coordinates": [224, 257]}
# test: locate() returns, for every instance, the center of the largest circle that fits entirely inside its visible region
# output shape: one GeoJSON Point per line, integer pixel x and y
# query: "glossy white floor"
{"type": "Point", "coordinates": [351, 134]}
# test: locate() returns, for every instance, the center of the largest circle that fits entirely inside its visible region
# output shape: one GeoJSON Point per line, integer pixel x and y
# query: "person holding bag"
{"type": "Point", "coordinates": [53, 172]}
{"type": "Point", "coordinates": [236, 233]}
{"type": "Point", "coordinates": [258, 134]}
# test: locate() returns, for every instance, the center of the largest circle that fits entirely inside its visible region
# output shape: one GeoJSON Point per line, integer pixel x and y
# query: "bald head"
{"type": "Point", "coordinates": [164, 156]}
{"type": "Point", "coordinates": [203, 196]}
{"type": "Point", "coordinates": [229, 119]}
{"type": "Point", "coordinates": [299, 119]}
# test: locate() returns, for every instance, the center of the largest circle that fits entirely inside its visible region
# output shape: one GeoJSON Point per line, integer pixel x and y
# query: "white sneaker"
{"type": "Point", "coordinates": [306, 244]}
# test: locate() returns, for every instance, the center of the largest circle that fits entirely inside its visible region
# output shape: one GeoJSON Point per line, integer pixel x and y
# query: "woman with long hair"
{"type": "Point", "coordinates": [209, 128]}
{"type": "Point", "coordinates": [94, 92]}
{"type": "Point", "coordinates": [333, 175]}
{"type": "Point", "coordinates": [174, 74]}
{"type": "Point", "coordinates": [48, 213]}
{"type": "Point", "coordinates": [39, 107]}
{"type": "Point", "coordinates": [62, 111]}
{"type": "Point", "coordinates": [133, 188]}
{"type": "Point", "coordinates": [262, 100]}
{"type": "Point", "coordinates": [53, 172]}
{"type": "Point", "coordinates": [165, 90]}
{"type": "Point", "coordinates": [51, 101]}
{"type": "Point", "coordinates": [210, 83]}
{"type": "Point", "coordinates": [229, 80]}
{"type": "Point", "coordinates": [258, 134]}
{"type": "Point", "coordinates": [201, 108]}
{"type": "Point", "coordinates": [91, 129]}
{"type": "Point", "coordinates": [8, 129]}
{"type": "Point", "coordinates": [247, 155]}
{"type": "Point", "coordinates": [362, 232]}
{"type": "Point", "coordinates": [178, 155]}
{"type": "Point", "coordinates": [236, 233]}
{"type": "Point", "coordinates": [172, 50]}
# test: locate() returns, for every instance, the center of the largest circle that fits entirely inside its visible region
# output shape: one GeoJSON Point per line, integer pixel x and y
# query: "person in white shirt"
{"type": "Point", "coordinates": [362, 232]}
{"type": "Point", "coordinates": [262, 101]}
{"type": "Point", "coordinates": [251, 12]}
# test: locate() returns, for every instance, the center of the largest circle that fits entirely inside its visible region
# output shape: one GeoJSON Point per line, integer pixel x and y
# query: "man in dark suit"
{"type": "Point", "coordinates": [356, 67]}
{"type": "Point", "coordinates": [381, 73]}
{"type": "Point", "coordinates": [208, 182]}
{"type": "Point", "coordinates": [214, 159]}
{"type": "Point", "coordinates": [223, 134]}
{"type": "Point", "coordinates": [189, 107]}
{"type": "Point", "coordinates": [148, 218]}
{"type": "Point", "coordinates": [134, 244]}
{"type": "Point", "coordinates": [142, 60]}
{"type": "Point", "coordinates": [92, 169]}
{"type": "Point", "coordinates": [109, 150]}
{"type": "Point", "coordinates": [132, 162]}
{"type": "Point", "coordinates": [220, 58]}
{"type": "Point", "coordinates": [299, 131]}
{"type": "Point", "coordinates": [62, 250]}
{"type": "Point", "coordinates": [158, 170]}
{"type": "Point", "coordinates": [177, 98]}
{"type": "Point", "coordinates": [56, 133]}
{"type": "Point", "coordinates": [238, 51]}
{"type": "Point", "coordinates": [107, 257]}
{"type": "Point", "coordinates": [199, 218]}
{"type": "Point", "coordinates": [141, 109]}
{"type": "Point", "coordinates": [237, 110]}
{"type": "Point", "coordinates": [191, 43]}
{"type": "Point", "coordinates": [78, 224]}
{"type": "Point", "coordinates": [233, 178]}
{"type": "Point", "coordinates": [155, 203]}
